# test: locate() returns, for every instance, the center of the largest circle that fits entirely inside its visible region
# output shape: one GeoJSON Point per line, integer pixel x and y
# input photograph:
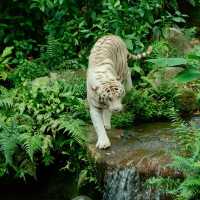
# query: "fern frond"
{"type": "Point", "coordinates": [6, 103]}
{"type": "Point", "coordinates": [190, 187]}
{"type": "Point", "coordinates": [52, 46]}
{"type": "Point", "coordinates": [7, 100]}
{"type": "Point", "coordinates": [74, 127]}
{"type": "Point", "coordinates": [191, 182]}
{"type": "Point", "coordinates": [31, 143]}
{"type": "Point", "coordinates": [26, 167]}
{"type": "Point", "coordinates": [184, 164]}
{"type": "Point", "coordinates": [8, 141]}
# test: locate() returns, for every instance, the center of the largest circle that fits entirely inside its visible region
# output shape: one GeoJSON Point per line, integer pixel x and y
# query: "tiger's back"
{"type": "Point", "coordinates": [110, 49]}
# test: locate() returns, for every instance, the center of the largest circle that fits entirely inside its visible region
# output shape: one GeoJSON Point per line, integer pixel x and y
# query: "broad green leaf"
{"type": "Point", "coordinates": [178, 19]}
{"type": "Point", "coordinates": [137, 68]}
{"type": "Point", "coordinates": [188, 75]}
{"type": "Point", "coordinates": [7, 51]}
{"type": "Point", "coordinates": [129, 44]}
{"type": "Point", "coordinates": [117, 4]}
{"type": "Point", "coordinates": [5, 61]}
{"type": "Point", "coordinates": [168, 62]}
{"type": "Point", "coordinates": [194, 56]}
{"type": "Point", "coordinates": [3, 75]}
{"type": "Point", "coordinates": [61, 2]}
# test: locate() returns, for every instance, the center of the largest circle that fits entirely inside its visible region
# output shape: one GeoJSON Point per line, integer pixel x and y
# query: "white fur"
{"type": "Point", "coordinates": [106, 119]}
{"type": "Point", "coordinates": [103, 141]}
{"type": "Point", "coordinates": [108, 67]}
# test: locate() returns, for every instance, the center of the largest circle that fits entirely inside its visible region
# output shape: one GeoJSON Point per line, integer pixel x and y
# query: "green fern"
{"type": "Point", "coordinates": [31, 143]}
{"type": "Point", "coordinates": [6, 99]}
{"type": "Point", "coordinates": [74, 127]}
{"type": "Point", "coordinates": [190, 188]}
{"type": "Point", "coordinates": [187, 160]}
{"type": "Point", "coordinates": [9, 139]}
{"type": "Point", "coordinates": [67, 124]}
{"type": "Point", "coordinates": [187, 165]}
{"type": "Point", "coordinates": [52, 46]}
{"type": "Point", "coordinates": [46, 112]}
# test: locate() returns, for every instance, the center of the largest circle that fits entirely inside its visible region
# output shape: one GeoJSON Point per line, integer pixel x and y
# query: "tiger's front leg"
{"type": "Point", "coordinates": [106, 119]}
{"type": "Point", "coordinates": [103, 141]}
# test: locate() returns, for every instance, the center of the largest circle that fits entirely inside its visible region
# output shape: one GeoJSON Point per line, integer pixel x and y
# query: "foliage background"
{"type": "Point", "coordinates": [43, 112]}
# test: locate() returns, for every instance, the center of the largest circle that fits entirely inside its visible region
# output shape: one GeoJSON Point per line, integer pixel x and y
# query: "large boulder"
{"type": "Point", "coordinates": [180, 41]}
{"type": "Point", "coordinates": [164, 75]}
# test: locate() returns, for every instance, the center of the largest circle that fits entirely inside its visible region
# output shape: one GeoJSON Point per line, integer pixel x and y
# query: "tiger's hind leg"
{"type": "Point", "coordinates": [129, 84]}
{"type": "Point", "coordinates": [106, 119]}
{"type": "Point", "coordinates": [103, 141]}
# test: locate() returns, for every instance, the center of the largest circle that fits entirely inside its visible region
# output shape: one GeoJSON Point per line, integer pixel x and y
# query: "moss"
{"type": "Point", "coordinates": [186, 101]}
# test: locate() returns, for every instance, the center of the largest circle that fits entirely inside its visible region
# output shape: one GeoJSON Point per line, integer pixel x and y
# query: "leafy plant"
{"type": "Point", "coordinates": [5, 58]}
{"type": "Point", "coordinates": [28, 70]}
{"type": "Point", "coordinates": [190, 65]}
{"type": "Point", "coordinates": [123, 120]}
{"type": "Point", "coordinates": [43, 119]}
{"type": "Point", "coordinates": [151, 104]}
{"type": "Point", "coordinates": [35, 119]}
{"type": "Point", "coordinates": [186, 160]}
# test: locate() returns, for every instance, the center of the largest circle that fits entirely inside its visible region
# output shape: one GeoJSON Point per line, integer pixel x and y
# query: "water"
{"type": "Point", "coordinates": [126, 184]}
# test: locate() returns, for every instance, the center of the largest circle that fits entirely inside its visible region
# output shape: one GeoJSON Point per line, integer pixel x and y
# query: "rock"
{"type": "Point", "coordinates": [146, 147]}
{"type": "Point", "coordinates": [195, 121]}
{"type": "Point", "coordinates": [82, 197]}
{"type": "Point", "coordinates": [167, 74]}
{"type": "Point", "coordinates": [140, 153]}
{"type": "Point", "coordinates": [187, 101]}
{"type": "Point", "coordinates": [178, 40]}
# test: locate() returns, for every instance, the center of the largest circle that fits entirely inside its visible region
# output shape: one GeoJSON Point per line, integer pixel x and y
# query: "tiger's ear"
{"type": "Point", "coordinates": [94, 88]}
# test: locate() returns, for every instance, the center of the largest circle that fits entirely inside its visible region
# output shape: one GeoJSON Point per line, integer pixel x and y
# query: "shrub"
{"type": "Point", "coordinates": [39, 119]}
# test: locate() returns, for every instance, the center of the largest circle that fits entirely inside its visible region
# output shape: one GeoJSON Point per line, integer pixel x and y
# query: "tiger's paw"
{"type": "Point", "coordinates": [103, 143]}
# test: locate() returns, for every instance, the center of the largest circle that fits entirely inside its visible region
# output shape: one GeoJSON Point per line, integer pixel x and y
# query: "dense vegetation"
{"type": "Point", "coordinates": [44, 49]}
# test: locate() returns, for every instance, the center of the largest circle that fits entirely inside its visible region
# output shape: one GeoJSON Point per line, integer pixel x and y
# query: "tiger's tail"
{"type": "Point", "coordinates": [140, 55]}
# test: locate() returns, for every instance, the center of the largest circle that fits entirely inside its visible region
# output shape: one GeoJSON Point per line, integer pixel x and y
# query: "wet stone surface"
{"type": "Point", "coordinates": [146, 147]}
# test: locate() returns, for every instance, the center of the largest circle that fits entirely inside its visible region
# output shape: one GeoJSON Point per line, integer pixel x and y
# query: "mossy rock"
{"type": "Point", "coordinates": [164, 75]}
{"type": "Point", "coordinates": [187, 101]}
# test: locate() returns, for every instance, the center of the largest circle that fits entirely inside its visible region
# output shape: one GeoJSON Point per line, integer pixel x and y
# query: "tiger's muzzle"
{"type": "Point", "coordinates": [115, 106]}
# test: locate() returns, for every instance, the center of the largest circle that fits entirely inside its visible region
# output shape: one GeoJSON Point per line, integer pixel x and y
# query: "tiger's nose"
{"type": "Point", "coordinates": [117, 109]}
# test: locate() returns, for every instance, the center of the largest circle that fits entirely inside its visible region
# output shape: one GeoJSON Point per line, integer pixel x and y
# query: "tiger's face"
{"type": "Point", "coordinates": [110, 95]}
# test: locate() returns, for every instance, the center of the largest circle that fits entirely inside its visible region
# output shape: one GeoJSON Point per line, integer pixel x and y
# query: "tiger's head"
{"type": "Point", "coordinates": [110, 94]}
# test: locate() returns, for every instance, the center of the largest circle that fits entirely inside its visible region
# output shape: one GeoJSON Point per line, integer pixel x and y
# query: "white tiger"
{"type": "Point", "coordinates": [106, 75]}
